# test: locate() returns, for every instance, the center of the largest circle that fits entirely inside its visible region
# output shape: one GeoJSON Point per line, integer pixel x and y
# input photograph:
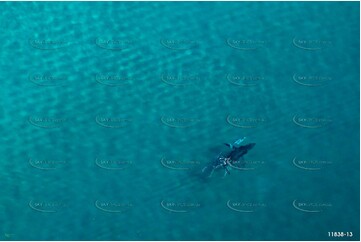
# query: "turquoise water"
{"type": "Point", "coordinates": [110, 110]}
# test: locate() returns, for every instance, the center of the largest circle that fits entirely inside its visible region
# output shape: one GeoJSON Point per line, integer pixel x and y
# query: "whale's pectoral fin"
{"type": "Point", "coordinates": [204, 169]}
{"type": "Point", "coordinates": [207, 168]}
{"type": "Point", "coordinates": [210, 175]}
{"type": "Point", "coordinates": [239, 141]}
{"type": "Point", "coordinates": [227, 170]}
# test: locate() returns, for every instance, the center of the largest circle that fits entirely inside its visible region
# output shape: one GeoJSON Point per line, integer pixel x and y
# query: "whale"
{"type": "Point", "coordinates": [226, 159]}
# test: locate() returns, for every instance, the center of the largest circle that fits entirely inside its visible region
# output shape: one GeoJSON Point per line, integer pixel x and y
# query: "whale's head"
{"type": "Point", "coordinates": [249, 146]}
{"type": "Point", "coordinates": [237, 153]}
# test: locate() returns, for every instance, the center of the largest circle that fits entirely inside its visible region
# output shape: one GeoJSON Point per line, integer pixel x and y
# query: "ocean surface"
{"type": "Point", "coordinates": [109, 111]}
